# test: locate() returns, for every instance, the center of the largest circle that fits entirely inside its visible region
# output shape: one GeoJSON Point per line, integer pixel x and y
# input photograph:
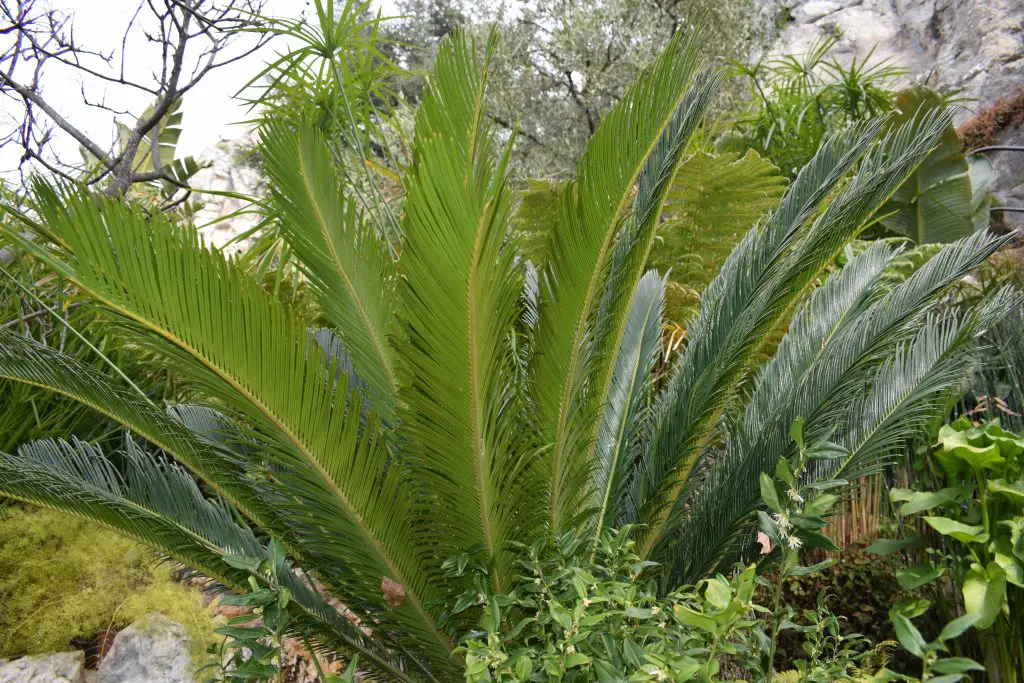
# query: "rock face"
{"type": "Point", "coordinates": [974, 45]}
{"type": "Point", "coordinates": [65, 667]}
{"type": "Point", "coordinates": [154, 649]}
{"type": "Point", "coordinates": [229, 167]}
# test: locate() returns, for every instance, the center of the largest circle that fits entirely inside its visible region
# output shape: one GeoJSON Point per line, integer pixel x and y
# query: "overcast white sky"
{"type": "Point", "coordinates": [209, 111]}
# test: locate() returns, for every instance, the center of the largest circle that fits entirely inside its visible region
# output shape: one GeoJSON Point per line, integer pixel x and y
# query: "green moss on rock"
{"type": "Point", "coordinates": [63, 578]}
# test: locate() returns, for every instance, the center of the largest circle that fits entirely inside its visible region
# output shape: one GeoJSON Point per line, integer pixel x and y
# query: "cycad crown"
{"type": "Point", "coordinates": [460, 401]}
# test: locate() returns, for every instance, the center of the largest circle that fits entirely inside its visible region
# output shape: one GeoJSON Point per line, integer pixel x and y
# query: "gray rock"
{"type": "Point", "coordinates": [154, 649]}
{"type": "Point", "coordinates": [813, 10]}
{"type": "Point", "coordinates": [64, 667]}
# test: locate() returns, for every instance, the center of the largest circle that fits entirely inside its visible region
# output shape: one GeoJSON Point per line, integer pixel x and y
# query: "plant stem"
{"type": "Point", "coordinates": [776, 600]}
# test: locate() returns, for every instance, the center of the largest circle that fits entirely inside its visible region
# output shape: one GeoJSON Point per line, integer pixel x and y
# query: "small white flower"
{"type": "Point", "coordinates": [586, 602]}
{"type": "Point", "coordinates": [537, 581]}
{"type": "Point", "coordinates": [571, 649]}
{"type": "Point", "coordinates": [795, 496]}
{"type": "Point", "coordinates": [655, 610]}
{"type": "Point", "coordinates": [782, 519]}
{"type": "Point", "coordinates": [794, 542]}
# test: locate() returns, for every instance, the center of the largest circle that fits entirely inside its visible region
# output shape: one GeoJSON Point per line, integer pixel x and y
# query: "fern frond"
{"type": "Point", "coordinates": [713, 201]}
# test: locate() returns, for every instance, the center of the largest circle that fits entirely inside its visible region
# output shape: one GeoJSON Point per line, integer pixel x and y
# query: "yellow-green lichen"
{"type": "Point", "coordinates": [62, 578]}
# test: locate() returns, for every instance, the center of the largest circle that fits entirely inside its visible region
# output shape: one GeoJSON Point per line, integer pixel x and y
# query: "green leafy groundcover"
{"type": "Point", "coordinates": [62, 579]}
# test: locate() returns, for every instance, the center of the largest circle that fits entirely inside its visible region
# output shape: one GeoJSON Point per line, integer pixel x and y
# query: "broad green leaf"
{"type": "Point", "coordinates": [1013, 491]}
{"type": "Point", "coordinates": [888, 546]}
{"type": "Point", "coordinates": [769, 494]}
{"type": "Point", "coordinates": [718, 593]}
{"type": "Point", "coordinates": [687, 616]}
{"type": "Point", "coordinates": [956, 665]}
{"type": "Point", "coordinates": [955, 447]}
{"type": "Point", "coordinates": [908, 635]}
{"type": "Point", "coordinates": [918, 575]}
{"type": "Point", "coordinates": [920, 501]}
{"type": "Point", "coordinates": [1012, 568]}
{"type": "Point", "coordinates": [957, 626]}
{"type": "Point", "coordinates": [984, 592]}
{"type": "Point", "coordinates": [936, 204]}
{"type": "Point", "coordinates": [961, 532]}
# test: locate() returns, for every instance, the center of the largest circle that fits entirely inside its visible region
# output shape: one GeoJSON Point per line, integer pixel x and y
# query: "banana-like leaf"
{"type": "Point", "coordinates": [942, 200]}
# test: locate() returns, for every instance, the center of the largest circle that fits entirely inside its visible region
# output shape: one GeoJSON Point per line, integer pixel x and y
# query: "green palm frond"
{"type": "Point", "coordinates": [731, 306]}
{"type": "Point", "coordinates": [592, 210]}
{"type": "Point", "coordinates": [337, 250]}
{"type": "Point", "coordinates": [628, 395]}
{"type": "Point", "coordinates": [721, 345]}
{"type": "Point", "coordinates": [469, 395]}
{"type": "Point", "coordinates": [27, 361]}
{"type": "Point", "coordinates": [820, 372]}
{"type": "Point", "coordinates": [154, 501]}
{"type": "Point", "coordinates": [461, 294]}
{"type": "Point", "coordinates": [216, 325]}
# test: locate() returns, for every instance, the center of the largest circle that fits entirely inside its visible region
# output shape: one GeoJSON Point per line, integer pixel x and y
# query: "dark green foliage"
{"type": "Point", "coordinates": [457, 404]}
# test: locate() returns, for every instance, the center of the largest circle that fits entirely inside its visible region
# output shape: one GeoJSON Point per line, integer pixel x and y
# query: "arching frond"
{"type": "Point", "coordinates": [25, 360]}
{"type": "Point", "coordinates": [216, 325]}
{"type": "Point", "coordinates": [337, 250]}
{"type": "Point", "coordinates": [833, 351]}
{"type": "Point", "coordinates": [461, 292]}
{"type": "Point", "coordinates": [154, 501]}
{"type": "Point", "coordinates": [762, 276]}
{"type": "Point", "coordinates": [629, 394]}
{"type": "Point", "coordinates": [589, 217]}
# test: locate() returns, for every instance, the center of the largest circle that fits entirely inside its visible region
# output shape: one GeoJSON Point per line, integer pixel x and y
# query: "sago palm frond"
{"type": "Point", "coordinates": [713, 201]}
{"type": "Point", "coordinates": [829, 361]}
{"type": "Point", "coordinates": [338, 251]}
{"type": "Point", "coordinates": [460, 290]}
{"type": "Point", "coordinates": [590, 215]}
{"type": "Point", "coordinates": [461, 401]}
{"type": "Point", "coordinates": [217, 326]}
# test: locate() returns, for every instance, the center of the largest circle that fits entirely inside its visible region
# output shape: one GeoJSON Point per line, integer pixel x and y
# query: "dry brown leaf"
{"type": "Point", "coordinates": [394, 592]}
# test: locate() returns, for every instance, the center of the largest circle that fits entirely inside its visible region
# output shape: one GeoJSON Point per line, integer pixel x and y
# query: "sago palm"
{"type": "Point", "coordinates": [461, 401]}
